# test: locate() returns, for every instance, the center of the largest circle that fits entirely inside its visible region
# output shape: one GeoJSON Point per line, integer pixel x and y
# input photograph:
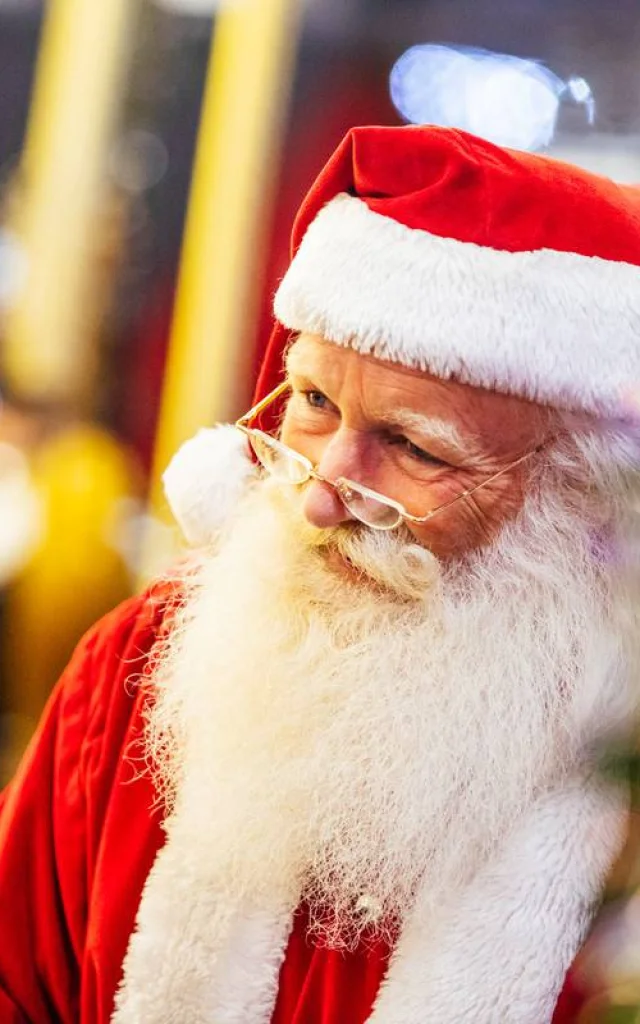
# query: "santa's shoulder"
{"type": "Point", "coordinates": [104, 692]}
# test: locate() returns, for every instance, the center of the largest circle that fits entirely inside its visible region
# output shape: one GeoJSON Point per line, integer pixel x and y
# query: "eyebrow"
{"type": "Point", "coordinates": [429, 427]}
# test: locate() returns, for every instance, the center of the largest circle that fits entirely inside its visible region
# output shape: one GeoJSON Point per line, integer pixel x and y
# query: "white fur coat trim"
{"type": "Point", "coordinates": [553, 326]}
{"type": "Point", "coordinates": [192, 958]}
{"type": "Point", "coordinates": [497, 954]}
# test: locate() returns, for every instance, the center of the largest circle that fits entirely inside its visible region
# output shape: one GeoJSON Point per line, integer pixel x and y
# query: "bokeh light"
{"type": "Point", "coordinates": [195, 8]}
{"type": "Point", "coordinates": [139, 160]}
{"type": "Point", "coordinates": [507, 100]}
{"type": "Point", "coordinates": [13, 267]}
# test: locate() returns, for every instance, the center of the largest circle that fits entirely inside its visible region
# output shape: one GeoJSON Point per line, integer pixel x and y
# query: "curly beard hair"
{"type": "Point", "coordinates": [348, 739]}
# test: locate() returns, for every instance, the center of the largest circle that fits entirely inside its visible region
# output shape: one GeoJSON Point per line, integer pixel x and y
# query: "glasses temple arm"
{"type": "Point", "coordinates": [483, 483]}
{"type": "Point", "coordinates": [261, 405]}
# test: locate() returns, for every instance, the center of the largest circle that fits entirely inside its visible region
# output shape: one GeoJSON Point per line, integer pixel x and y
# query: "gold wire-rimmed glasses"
{"type": "Point", "coordinates": [369, 507]}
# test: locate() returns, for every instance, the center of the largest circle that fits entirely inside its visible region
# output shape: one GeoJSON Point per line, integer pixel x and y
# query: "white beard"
{"type": "Point", "coordinates": [331, 739]}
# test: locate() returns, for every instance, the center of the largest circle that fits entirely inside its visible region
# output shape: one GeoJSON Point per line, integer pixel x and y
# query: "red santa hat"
{"type": "Point", "coordinates": [438, 250]}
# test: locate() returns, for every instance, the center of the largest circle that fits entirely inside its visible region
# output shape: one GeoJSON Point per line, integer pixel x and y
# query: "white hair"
{"type": "Point", "coordinates": [328, 739]}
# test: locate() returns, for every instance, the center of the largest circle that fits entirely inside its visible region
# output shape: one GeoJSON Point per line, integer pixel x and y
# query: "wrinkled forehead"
{"type": "Point", "coordinates": [350, 378]}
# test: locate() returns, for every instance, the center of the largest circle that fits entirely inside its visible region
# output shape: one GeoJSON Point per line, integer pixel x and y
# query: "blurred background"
{"type": "Point", "coordinates": [152, 156]}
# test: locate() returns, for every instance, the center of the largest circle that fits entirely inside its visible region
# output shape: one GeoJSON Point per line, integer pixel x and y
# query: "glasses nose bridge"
{"type": "Point", "coordinates": [319, 478]}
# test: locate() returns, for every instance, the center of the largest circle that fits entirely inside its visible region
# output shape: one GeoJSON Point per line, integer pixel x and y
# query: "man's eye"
{"type": "Point", "coordinates": [415, 452]}
{"type": "Point", "coordinates": [316, 399]}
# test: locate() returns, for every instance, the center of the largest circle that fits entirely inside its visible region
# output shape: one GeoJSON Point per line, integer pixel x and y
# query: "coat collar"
{"type": "Point", "coordinates": [497, 951]}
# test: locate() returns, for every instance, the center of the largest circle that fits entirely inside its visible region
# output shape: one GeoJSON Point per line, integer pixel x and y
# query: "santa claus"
{"type": "Point", "coordinates": [346, 766]}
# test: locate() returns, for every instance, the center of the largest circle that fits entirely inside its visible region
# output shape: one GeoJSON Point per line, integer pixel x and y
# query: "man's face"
{"type": "Point", "coordinates": [410, 436]}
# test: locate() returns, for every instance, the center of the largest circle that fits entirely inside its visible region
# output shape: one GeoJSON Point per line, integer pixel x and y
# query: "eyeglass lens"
{"type": "Point", "coordinates": [278, 460]}
{"type": "Point", "coordinates": [287, 467]}
{"type": "Point", "coordinates": [369, 510]}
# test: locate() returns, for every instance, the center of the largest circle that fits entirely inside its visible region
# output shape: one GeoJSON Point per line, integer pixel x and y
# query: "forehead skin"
{"type": "Point", "coordinates": [495, 426]}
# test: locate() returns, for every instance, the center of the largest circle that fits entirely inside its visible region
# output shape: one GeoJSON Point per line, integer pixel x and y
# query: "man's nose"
{"type": "Point", "coordinates": [322, 506]}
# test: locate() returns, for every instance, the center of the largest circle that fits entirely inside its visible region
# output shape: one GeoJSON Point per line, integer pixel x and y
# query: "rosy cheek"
{"type": "Point", "coordinates": [430, 494]}
{"type": "Point", "coordinates": [450, 535]}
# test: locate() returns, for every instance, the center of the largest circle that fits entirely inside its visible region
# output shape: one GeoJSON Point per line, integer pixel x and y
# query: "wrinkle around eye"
{"type": "Point", "coordinates": [416, 453]}
{"type": "Point", "coordinates": [307, 419]}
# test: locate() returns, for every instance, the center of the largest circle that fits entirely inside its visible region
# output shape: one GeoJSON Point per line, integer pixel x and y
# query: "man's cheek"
{"type": "Point", "coordinates": [453, 532]}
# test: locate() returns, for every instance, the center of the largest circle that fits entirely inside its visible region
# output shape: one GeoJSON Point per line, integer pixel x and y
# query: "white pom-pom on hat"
{"type": "Point", "coordinates": [205, 480]}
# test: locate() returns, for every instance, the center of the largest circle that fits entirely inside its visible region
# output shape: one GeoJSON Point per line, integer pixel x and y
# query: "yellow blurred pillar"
{"type": "Point", "coordinates": [243, 116]}
{"type": "Point", "coordinates": [77, 91]}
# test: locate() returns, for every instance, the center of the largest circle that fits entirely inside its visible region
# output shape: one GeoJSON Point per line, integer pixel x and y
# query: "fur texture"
{"type": "Point", "coordinates": [551, 326]}
{"type": "Point", "coordinates": [205, 479]}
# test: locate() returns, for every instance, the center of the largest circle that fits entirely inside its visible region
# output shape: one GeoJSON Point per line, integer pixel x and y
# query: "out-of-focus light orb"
{"type": "Point", "coordinates": [139, 160]}
{"type": "Point", "coordinates": [21, 512]}
{"type": "Point", "coordinates": [13, 268]}
{"type": "Point", "coordinates": [513, 108]}
{"type": "Point", "coordinates": [195, 8]}
{"type": "Point", "coordinates": [507, 100]}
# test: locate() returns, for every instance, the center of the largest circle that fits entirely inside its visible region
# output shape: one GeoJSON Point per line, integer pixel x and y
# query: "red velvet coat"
{"type": "Point", "coordinates": [78, 836]}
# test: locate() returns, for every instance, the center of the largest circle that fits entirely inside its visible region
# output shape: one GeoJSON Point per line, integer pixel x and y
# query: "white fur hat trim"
{"type": "Point", "coordinates": [555, 327]}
